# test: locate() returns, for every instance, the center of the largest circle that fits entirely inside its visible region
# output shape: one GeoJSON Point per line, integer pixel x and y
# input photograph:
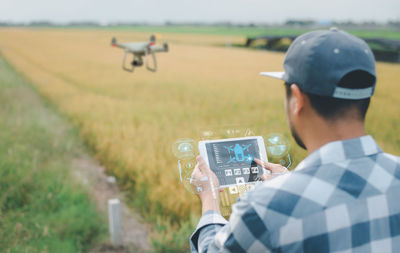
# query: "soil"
{"type": "Point", "coordinates": [102, 188]}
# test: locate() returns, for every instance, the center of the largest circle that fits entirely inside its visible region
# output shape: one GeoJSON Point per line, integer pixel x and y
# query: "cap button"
{"type": "Point", "coordinates": [334, 29]}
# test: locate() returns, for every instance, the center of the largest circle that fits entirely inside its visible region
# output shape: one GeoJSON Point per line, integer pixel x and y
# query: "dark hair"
{"type": "Point", "coordinates": [334, 108]}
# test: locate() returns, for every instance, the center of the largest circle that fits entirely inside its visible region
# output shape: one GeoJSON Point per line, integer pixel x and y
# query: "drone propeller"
{"type": "Point", "coordinates": [113, 42]}
{"type": "Point", "coordinates": [153, 38]}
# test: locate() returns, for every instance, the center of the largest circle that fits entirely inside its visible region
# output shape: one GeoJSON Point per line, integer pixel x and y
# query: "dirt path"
{"type": "Point", "coordinates": [58, 132]}
{"type": "Point", "coordinates": [135, 231]}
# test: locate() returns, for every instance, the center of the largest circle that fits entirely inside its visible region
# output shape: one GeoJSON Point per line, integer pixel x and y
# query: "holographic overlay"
{"type": "Point", "coordinates": [186, 167]}
{"type": "Point", "coordinates": [233, 163]}
{"type": "Point", "coordinates": [184, 148]}
{"type": "Point", "coordinates": [225, 132]}
{"type": "Point", "coordinates": [278, 148]}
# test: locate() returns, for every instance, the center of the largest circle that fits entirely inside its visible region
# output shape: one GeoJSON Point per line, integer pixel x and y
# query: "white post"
{"type": "Point", "coordinates": [114, 218]}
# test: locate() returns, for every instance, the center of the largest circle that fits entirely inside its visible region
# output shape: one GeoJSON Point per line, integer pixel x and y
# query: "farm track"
{"type": "Point", "coordinates": [135, 232]}
{"type": "Point", "coordinates": [93, 176]}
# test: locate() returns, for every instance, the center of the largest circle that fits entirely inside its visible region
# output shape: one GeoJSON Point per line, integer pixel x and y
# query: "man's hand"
{"type": "Point", "coordinates": [206, 185]}
{"type": "Point", "coordinates": [274, 169]}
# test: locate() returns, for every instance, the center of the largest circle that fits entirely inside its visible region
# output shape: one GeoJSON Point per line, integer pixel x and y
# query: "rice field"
{"type": "Point", "coordinates": [131, 120]}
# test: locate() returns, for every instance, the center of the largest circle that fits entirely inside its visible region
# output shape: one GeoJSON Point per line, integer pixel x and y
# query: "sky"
{"type": "Point", "coordinates": [235, 11]}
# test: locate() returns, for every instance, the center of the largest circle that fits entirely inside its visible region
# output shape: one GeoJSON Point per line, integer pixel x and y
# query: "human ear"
{"type": "Point", "coordinates": [297, 99]}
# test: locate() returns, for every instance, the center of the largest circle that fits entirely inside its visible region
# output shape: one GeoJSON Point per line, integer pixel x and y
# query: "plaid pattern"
{"type": "Point", "coordinates": [344, 197]}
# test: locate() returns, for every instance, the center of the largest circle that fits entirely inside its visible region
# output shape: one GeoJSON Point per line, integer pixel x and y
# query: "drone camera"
{"type": "Point", "coordinates": [137, 63]}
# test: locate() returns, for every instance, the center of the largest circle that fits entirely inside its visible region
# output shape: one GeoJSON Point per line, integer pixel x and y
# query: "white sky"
{"type": "Point", "coordinates": [159, 11]}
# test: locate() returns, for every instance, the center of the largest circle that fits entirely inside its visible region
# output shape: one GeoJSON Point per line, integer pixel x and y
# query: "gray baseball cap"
{"type": "Point", "coordinates": [318, 60]}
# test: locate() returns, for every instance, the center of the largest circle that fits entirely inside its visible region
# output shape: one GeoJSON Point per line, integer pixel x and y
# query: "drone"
{"type": "Point", "coordinates": [140, 50]}
{"type": "Point", "coordinates": [238, 150]}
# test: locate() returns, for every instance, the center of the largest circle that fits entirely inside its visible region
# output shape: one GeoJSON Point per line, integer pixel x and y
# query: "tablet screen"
{"type": "Point", "coordinates": [233, 161]}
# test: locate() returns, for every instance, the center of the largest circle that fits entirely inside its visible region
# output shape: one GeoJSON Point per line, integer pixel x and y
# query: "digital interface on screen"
{"type": "Point", "coordinates": [233, 161]}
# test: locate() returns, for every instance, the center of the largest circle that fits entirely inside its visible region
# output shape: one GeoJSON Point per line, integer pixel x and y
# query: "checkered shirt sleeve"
{"type": "Point", "coordinates": [341, 198]}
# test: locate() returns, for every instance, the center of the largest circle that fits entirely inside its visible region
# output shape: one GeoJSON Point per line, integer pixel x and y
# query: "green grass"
{"type": "Point", "coordinates": [240, 31]}
{"type": "Point", "coordinates": [41, 208]}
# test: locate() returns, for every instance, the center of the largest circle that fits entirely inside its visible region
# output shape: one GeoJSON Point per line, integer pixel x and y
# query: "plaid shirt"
{"type": "Point", "coordinates": [344, 197]}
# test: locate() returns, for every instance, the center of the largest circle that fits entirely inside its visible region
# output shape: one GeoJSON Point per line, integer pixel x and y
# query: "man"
{"type": "Point", "coordinates": [344, 197]}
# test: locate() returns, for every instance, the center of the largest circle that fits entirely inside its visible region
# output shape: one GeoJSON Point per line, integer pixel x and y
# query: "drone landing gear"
{"type": "Point", "coordinates": [138, 61]}
{"type": "Point", "coordinates": [124, 65]}
{"type": "Point", "coordinates": [146, 54]}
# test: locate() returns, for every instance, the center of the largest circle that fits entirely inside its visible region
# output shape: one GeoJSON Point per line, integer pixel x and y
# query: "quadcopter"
{"type": "Point", "coordinates": [238, 150]}
{"type": "Point", "coordinates": [140, 50]}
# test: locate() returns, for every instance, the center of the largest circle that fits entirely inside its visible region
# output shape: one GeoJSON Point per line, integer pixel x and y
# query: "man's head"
{"type": "Point", "coordinates": [329, 78]}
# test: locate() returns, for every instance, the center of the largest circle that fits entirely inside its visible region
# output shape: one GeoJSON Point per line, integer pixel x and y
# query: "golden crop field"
{"type": "Point", "coordinates": [131, 120]}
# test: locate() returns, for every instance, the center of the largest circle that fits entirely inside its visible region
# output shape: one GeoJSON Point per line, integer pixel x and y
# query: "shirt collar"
{"type": "Point", "coordinates": [339, 151]}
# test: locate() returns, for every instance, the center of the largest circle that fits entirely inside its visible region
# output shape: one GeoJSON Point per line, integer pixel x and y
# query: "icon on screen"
{"type": "Point", "coordinates": [233, 190]}
{"type": "Point", "coordinates": [239, 180]}
{"type": "Point", "coordinates": [254, 170]}
{"type": "Point", "coordinates": [228, 173]}
{"type": "Point", "coordinates": [246, 171]}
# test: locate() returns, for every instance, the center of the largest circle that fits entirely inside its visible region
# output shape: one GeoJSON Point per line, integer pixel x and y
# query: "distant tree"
{"type": "Point", "coordinates": [297, 22]}
{"type": "Point", "coordinates": [83, 23]}
{"type": "Point", "coordinates": [223, 24]}
{"type": "Point", "coordinates": [394, 23]}
{"type": "Point", "coordinates": [40, 23]}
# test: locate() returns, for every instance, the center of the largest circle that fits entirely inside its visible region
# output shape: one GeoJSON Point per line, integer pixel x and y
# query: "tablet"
{"type": "Point", "coordinates": [232, 160]}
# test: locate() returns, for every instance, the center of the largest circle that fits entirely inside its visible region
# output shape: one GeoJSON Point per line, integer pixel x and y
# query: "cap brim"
{"type": "Point", "coordinates": [277, 75]}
